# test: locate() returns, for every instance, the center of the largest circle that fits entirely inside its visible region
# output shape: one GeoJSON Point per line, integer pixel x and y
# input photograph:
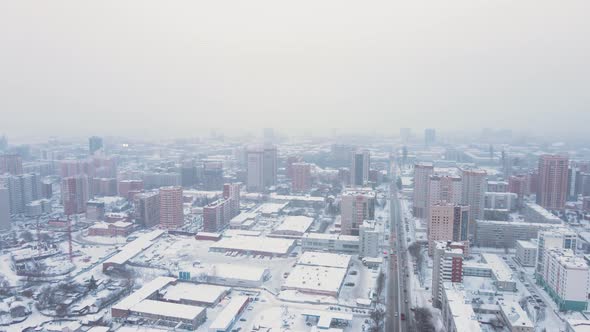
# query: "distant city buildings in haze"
{"type": "Point", "coordinates": [429, 136]}
{"type": "Point", "coordinates": [11, 163]}
{"type": "Point", "coordinates": [301, 181]}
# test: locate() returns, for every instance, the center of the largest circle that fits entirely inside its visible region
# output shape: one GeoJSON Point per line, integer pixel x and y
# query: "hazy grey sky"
{"type": "Point", "coordinates": [172, 67]}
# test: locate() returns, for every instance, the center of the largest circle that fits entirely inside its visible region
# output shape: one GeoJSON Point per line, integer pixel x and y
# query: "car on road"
{"type": "Point", "coordinates": [402, 317]}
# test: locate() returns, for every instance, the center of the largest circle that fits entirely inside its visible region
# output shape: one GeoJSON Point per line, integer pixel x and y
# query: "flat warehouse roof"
{"type": "Point", "coordinates": [320, 278]}
{"type": "Point", "coordinates": [295, 224]}
{"type": "Point", "coordinates": [324, 259]}
{"type": "Point", "coordinates": [255, 244]}
{"type": "Point", "coordinates": [142, 293]}
{"type": "Point", "coordinates": [194, 292]}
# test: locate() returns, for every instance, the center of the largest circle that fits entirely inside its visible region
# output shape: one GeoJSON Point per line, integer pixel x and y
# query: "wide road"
{"type": "Point", "coordinates": [398, 292]}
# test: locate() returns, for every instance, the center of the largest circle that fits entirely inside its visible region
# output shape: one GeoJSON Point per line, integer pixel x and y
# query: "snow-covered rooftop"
{"type": "Point", "coordinates": [168, 309]}
{"type": "Point", "coordinates": [314, 258]}
{"type": "Point", "coordinates": [255, 244]}
{"type": "Point", "coordinates": [142, 293]}
{"type": "Point", "coordinates": [315, 278]}
{"type": "Point", "coordinates": [500, 269]}
{"type": "Point", "coordinates": [227, 316]}
{"type": "Point", "coordinates": [295, 224]}
{"type": "Point", "coordinates": [204, 293]}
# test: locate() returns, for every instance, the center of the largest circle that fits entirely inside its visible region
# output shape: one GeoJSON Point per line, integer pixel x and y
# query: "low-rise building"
{"type": "Point", "coordinates": [370, 235]}
{"type": "Point", "coordinates": [526, 253]}
{"type": "Point", "coordinates": [504, 234]}
{"type": "Point", "coordinates": [457, 314]}
{"type": "Point", "coordinates": [254, 245]}
{"type": "Point", "coordinates": [205, 295]}
{"type": "Point", "coordinates": [535, 213]}
{"type": "Point", "coordinates": [516, 319]}
{"type": "Point", "coordinates": [349, 244]}
{"type": "Point", "coordinates": [119, 228]}
{"type": "Point", "coordinates": [192, 316]}
{"type": "Point", "coordinates": [293, 226]}
{"type": "Point", "coordinates": [229, 315]}
{"type": "Point", "coordinates": [504, 279]}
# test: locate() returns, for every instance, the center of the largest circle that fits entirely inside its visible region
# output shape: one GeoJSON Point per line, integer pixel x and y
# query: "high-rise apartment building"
{"type": "Point", "coordinates": [11, 163]}
{"type": "Point", "coordinates": [4, 209]}
{"type": "Point", "coordinates": [473, 192]}
{"type": "Point", "coordinates": [212, 175]}
{"type": "Point", "coordinates": [22, 190]}
{"type": "Point", "coordinates": [567, 278]}
{"type": "Point", "coordinates": [74, 167]}
{"type": "Point", "coordinates": [74, 193]}
{"type": "Point", "coordinates": [261, 168]}
{"type": "Point", "coordinates": [422, 173]}
{"type": "Point", "coordinates": [370, 236]}
{"type": "Point", "coordinates": [269, 170]}
{"type": "Point", "coordinates": [301, 180]}
{"type": "Point", "coordinates": [290, 161]}
{"type": "Point", "coordinates": [429, 136]}
{"type": "Point", "coordinates": [447, 222]}
{"type": "Point", "coordinates": [94, 144]}
{"type": "Point", "coordinates": [517, 184]}
{"type": "Point", "coordinates": [359, 168]}
{"type": "Point", "coordinates": [104, 187]}
{"type": "Point", "coordinates": [562, 238]}
{"type": "Point", "coordinates": [552, 186]}
{"type": "Point", "coordinates": [231, 193]}
{"type": "Point", "coordinates": [171, 211]}
{"type": "Point", "coordinates": [216, 216]}
{"type": "Point", "coordinates": [443, 188]}
{"type": "Point", "coordinates": [447, 267]}
{"type": "Point", "coordinates": [356, 206]}
{"type": "Point", "coordinates": [147, 208]}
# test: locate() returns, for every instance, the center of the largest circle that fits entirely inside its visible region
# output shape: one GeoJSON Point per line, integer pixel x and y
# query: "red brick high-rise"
{"type": "Point", "coordinates": [216, 215]}
{"type": "Point", "coordinates": [552, 186]}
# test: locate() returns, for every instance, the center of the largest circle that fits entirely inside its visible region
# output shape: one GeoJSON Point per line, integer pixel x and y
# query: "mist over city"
{"type": "Point", "coordinates": [309, 166]}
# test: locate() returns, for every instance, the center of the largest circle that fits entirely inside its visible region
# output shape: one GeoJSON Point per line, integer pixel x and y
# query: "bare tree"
{"type": "Point", "coordinates": [26, 236]}
{"type": "Point", "coordinates": [5, 289]}
{"type": "Point", "coordinates": [423, 318]}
